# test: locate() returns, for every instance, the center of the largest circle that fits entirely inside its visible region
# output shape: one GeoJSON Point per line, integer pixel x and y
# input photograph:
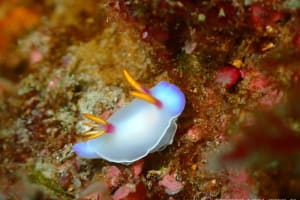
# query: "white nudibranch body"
{"type": "Point", "coordinates": [138, 128]}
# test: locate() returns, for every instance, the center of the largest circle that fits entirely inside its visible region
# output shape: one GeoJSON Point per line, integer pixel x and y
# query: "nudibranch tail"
{"type": "Point", "coordinates": [83, 150]}
{"type": "Point", "coordinates": [141, 93]}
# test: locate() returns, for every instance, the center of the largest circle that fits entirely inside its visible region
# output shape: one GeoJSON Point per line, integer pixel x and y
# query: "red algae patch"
{"type": "Point", "coordinates": [296, 39]}
{"type": "Point", "coordinates": [227, 76]}
{"type": "Point", "coordinates": [262, 15]}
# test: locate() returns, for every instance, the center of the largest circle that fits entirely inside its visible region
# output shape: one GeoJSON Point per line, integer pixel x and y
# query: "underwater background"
{"type": "Point", "coordinates": [237, 63]}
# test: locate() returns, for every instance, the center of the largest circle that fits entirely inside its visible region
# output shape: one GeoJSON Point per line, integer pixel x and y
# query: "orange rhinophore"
{"type": "Point", "coordinates": [141, 93]}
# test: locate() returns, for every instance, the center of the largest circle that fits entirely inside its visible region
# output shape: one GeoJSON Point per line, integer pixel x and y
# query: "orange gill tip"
{"type": "Point", "coordinates": [134, 83]}
{"type": "Point", "coordinates": [146, 97]}
{"type": "Point", "coordinates": [98, 120]}
{"type": "Point", "coordinates": [93, 134]}
{"type": "Point", "coordinates": [91, 124]}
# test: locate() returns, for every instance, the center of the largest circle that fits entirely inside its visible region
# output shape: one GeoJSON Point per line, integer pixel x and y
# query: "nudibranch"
{"type": "Point", "coordinates": [145, 125]}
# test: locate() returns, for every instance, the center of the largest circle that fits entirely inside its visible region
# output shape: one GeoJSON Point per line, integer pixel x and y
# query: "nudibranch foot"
{"type": "Point", "coordinates": [168, 137]}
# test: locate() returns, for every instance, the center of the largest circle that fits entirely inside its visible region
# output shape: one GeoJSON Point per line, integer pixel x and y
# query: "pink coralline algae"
{"type": "Point", "coordinates": [194, 134]}
{"type": "Point", "coordinates": [239, 185]}
{"type": "Point", "coordinates": [112, 176]}
{"type": "Point", "coordinates": [227, 76]}
{"type": "Point", "coordinates": [131, 191]}
{"type": "Point", "coordinates": [171, 185]}
{"type": "Point", "coordinates": [271, 95]}
{"type": "Point", "coordinates": [35, 56]}
{"type": "Point", "coordinates": [123, 191]}
{"type": "Point", "coordinates": [137, 168]}
{"type": "Point", "coordinates": [52, 84]}
{"type": "Point", "coordinates": [258, 83]}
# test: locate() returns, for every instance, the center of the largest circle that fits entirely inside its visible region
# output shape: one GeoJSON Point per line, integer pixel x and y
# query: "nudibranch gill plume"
{"type": "Point", "coordinates": [145, 125]}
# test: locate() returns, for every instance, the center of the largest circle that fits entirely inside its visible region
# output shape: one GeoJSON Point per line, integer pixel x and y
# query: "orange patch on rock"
{"type": "Point", "coordinates": [14, 23]}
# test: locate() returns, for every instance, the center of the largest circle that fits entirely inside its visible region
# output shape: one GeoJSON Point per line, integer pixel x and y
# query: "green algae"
{"type": "Point", "coordinates": [36, 176]}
